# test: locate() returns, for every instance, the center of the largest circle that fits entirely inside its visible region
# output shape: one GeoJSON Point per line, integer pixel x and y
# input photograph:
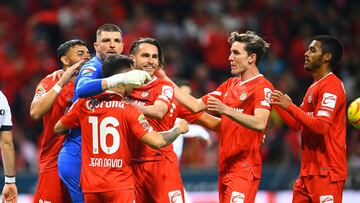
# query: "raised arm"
{"type": "Point", "coordinates": [190, 102]}
{"type": "Point", "coordinates": [258, 121]}
{"type": "Point", "coordinates": [157, 110]}
{"type": "Point", "coordinates": [158, 140]}
{"type": "Point", "coordinates": [42, 103]}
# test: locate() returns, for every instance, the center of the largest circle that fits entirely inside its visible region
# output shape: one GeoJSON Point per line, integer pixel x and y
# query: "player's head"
{"type": "Point", "coordinates": [108, 41]}
{"type": "Point", "coordinates": [147, 55]}
{"type": "Point", "coordinates": [115, 64]}
{"type": "Point", "coordinates": [246, 50]}
{"type": "Point", "coordinates": [71, 52]}
{"type": "Point", "coordinates": [323, 50]}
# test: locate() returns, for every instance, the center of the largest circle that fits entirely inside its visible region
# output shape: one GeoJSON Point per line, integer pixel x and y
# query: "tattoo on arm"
{"type": "Point", "coordinates": [171, 135]}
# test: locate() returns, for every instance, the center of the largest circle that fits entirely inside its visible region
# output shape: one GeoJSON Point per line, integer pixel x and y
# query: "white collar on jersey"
{"type": "Point", "coordinates": [250, 79]}
{"type": "Point", "coordinates": [330, 73]}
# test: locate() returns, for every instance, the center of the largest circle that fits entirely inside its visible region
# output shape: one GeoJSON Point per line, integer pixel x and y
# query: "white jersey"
{"type": "Point", "coordinates": [194, 131]}
{"type": "Point", "coordinates": [5, 114]}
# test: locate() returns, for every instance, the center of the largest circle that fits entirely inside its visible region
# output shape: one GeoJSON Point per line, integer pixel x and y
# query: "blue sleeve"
{"type": "Point", "coordinates": [87, 87]}
{"type": "Point", "coordinates": [88, 82]}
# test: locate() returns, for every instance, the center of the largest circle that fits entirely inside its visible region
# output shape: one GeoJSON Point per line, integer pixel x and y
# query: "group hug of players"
{"type": "Point", "coordinates": [114, 117]}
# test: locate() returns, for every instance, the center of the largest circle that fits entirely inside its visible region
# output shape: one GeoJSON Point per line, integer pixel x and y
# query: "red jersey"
{"type": "Point", "coordinates": [324, 154]}
{"type": "Point", "coordinates": [107, 126]}
{"type": "Point", "coordinates": [146, 95]}
{"type": "Point", "coordinates": [239, 146]}
{"type": "Point", "coordinates": [51, 143]}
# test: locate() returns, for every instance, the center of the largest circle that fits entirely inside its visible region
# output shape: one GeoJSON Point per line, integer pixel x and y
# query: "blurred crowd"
{"type": "Point", "coordinates": [194, 36]}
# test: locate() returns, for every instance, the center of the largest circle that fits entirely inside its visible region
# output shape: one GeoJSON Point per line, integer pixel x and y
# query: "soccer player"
{"type": "Point", "coordinates": [243, 103]}
{"type": "Point", "coordinates": [157, 174]}
{"type": "Point", "coordinates": [108, 42]}
{"type": "Point", "coordinates": [322, 121]}
{"type": "Point", "coordinates": [155, 99]}
{"type": "Point", "coordinates": [108, 125]}
{"type": "Point", "coordinates": [52, 98]}
{"type": "Point", "coordinates": [9, 192]}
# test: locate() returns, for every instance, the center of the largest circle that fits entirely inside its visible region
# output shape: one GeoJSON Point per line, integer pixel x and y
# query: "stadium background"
{"type": "Point", "coordinates": [194, 35]}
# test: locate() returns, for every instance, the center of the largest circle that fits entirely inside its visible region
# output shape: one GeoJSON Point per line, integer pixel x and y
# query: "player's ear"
{"type": "Point", "coordinates": [252, 58]}
{"type": "Point", "coordinates": [64, 60]}
{"type": "Point", "coordinates": [327, 57]}
{"type": "Point", "coordinates": [96, 45]}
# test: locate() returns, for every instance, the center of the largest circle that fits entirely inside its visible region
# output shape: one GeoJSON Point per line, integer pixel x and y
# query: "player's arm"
{"type": "Point", "coordinates": [315, 124]}
{"type": "Point", "coordinates": [42, 104]}
{"type": "Point", "coordinates": [68, 121]}
{"type": "Point", "coordinates": [158, 140]}
{"type": "Point", "coordinates": [258, 121]}
{"type": "Point", "coordinates": [208, 121]}
{"type": "Point", "coordinates": [190, 102]}
{"type": "Point", "coordinates": [157, 110]}
{"type": "Point", "coordinates": [89, 84]}
{"type": "Point", "coordinates": [9, 192]}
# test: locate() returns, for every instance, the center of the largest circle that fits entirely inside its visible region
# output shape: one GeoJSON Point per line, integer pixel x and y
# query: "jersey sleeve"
{"type": "Point", "coordinates": [218, 93]}
{"type": "Point", "coordinates": [43, 87]}
{"type": "Point", "coordinates": [165, 93]}
{"type": "Point", "coordinates": [139, 126]}
{"type": "Point", "coordinates": [89, 83]}
{"type": "Point", "coordinates": [262, 96]}
{"type": "Point", "coordinates": [330, 98]}
{"type": "Point", "coordinates": [5, 114]}
{"type": "Point", "coordinates": [71, 119]}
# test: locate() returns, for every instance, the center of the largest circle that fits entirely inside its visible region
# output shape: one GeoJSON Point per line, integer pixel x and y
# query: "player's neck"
{"type": "Point", "coordinates": [321, 72]}
{"type": "Point", "coordinates": [249, 73]}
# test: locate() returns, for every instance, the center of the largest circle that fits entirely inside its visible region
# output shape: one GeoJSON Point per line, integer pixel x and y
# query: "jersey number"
{"type": "Point", "coordinates": [105, 130]}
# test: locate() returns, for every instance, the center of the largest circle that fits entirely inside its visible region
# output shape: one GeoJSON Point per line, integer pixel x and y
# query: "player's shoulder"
{"type": "Point", "coordinates": [265, 82]}
{"type": "Point", "coordinates": [159, 81]}
{"type": "Point", "coordinates": [2, 98]}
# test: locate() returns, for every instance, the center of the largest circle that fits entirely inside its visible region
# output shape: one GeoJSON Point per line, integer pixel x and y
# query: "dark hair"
{"type": "Point", "coordinates": [63, 49]}
{"type": "Point", "coordinates": [116, 64]}
{"type": "Point", "coordinates": [253, 43]}
{"type": "Point", "coordinates": [108, 27]}
{"type": "Point", "coordinates": [330, 45]}
{"type": "Point", "coordinates": [135, 45]}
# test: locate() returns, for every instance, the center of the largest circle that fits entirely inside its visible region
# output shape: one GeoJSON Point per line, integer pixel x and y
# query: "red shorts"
{"type": "Point", "coordinates": [51, 189]}
{"type": "Point", "coordinates": [317, 189]}
{"type": "Point", "coordinates": [125, 196]}
{"type": "Point", "coordinates": [158, 181]}
{"type": "Point", "coordinates": [240, 186]}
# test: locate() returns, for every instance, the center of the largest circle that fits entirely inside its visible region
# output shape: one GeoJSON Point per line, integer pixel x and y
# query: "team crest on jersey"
{"type": "Point", "coordinates": [88, 71]}
{"type": "Point", "coordinates": [145, 94]}
{"type": "Point", "coordinates": [243, 96]}
{"type": "Point", "coordinates": [237, 197]}
{"type": "Point", "coordinates": [310, 98]}
{"type": "Point", "coordinates": [329, 100]}
{"type": "Point", "coordinates": [175, 196]}
{"type": "Point", "coordinates": [326, 199]}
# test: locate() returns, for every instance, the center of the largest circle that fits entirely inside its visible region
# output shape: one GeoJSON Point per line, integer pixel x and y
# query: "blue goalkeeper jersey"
{"type": "Point", "coordinates": [88, 83]}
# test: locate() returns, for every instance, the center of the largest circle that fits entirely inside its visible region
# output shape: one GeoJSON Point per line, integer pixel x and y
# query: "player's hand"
{"type": "Point", "coordinates": [215, 105]}
{"type": "Point", "coordinates": [183, 126]}
{"type": "Point", "coordinates": [280, 99]}
{"type": "Point", "coordinates": [9, 194]}
{"type": "Point", "coordinates": [160, 73]}
{"type": "Point", "coordinates": [69, 72]}
{"type": "Point", "coordinates": [136, 77]}
{"type": "Point", "coordinates": [56, 75]}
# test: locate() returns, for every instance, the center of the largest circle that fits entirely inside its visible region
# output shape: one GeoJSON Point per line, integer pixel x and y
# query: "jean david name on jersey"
{"type": "Point", "coordinates": [105, 162]}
